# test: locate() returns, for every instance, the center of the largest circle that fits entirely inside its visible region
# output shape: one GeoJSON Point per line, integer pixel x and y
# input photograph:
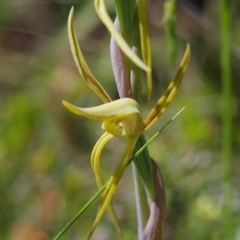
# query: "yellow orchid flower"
{"type": "Point", "coordinates": [121, 117]}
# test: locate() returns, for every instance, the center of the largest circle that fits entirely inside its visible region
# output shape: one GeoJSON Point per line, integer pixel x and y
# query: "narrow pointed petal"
{"type": "Point", "coordinates": [103, 15]}
{"type": "Point", "coordinates": [95, 159]}
{"type": "Point", "coordinates": [170, 93]}
{"type": "Point", "coordinates": [81, 64]}
{"type": "Point", "coordinates": [113, 182]}
{"type": "Point", "coordinates": [145, 40]}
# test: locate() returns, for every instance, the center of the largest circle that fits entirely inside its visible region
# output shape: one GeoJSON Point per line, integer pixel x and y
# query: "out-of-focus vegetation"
{"type": "Point", "coordinates": [45, 173]}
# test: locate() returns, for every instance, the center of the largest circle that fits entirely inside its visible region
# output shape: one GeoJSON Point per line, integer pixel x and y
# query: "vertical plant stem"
{"type": "Point", "coordinates": [141, 201]}
{"type": "Point", "coordinates": [226, 117]}
{"type": "Point", "coordinates": [140, 196]}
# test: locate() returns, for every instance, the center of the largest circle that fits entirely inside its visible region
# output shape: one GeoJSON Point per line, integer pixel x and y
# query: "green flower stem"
{"type": "Point", "coordinates": [90, 202]}
{"type": "Point", "coordinates": [143, 160]}
{"type": "Point", "coordinates": [226, 116]}
{"type": "Point", "coordinates": [142, 208]}
{"type": "Point", "coordinates": [136, 79]}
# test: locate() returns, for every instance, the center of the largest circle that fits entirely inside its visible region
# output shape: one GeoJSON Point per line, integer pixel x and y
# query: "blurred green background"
{"type": "Point", "coordinates": [45, 172]}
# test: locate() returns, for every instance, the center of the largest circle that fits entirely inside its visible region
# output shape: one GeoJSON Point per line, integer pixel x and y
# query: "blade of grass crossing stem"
{"type": "Point", "coordinates": [86, 206]}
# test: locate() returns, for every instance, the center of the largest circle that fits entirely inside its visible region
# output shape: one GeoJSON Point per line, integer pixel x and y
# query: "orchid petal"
{"type": "Point", "coordinates": [81, 64]}
{"type": "Point", "coordinates": [113, 181]}
{"type": "Point", "coordinates": [95, 156]}
{"type": "Point", "coordinates": [97, 172]}
{"type": "Point", "coordinates": [125, 111]}
{"type": "Point", "coordinates": [145, 40]}
{"type": "Point", "coordinates": [169, 94]}
{"type": "Point", "coordinates": [103, 15]}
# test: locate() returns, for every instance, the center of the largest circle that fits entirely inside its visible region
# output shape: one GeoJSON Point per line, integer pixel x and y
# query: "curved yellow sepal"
{"type": "Point", "coordinates": [95, 162]}
{"type": "Point", "coordinates": [103, 15]}
{"type": "Point", "coordinates": [81, 64]}
{"type": "Point", "coordinates": [170, 93]}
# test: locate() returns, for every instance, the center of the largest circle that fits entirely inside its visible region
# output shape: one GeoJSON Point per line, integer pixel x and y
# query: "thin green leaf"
{"type": "Point", "coordinates": [145, 40]}
{"type": "Point", "coordinates": [125, 12]}
{"type": "Point", "coordinates": [79, 214]}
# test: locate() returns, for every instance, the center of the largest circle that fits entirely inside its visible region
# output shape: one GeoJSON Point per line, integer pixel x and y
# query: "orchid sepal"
{"type": "Point", "coordinates": [81, 64]}
{"type": "Point", "coordinates": [170, 93]}
{"type": "Point", "coordinates": [103, 15]}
